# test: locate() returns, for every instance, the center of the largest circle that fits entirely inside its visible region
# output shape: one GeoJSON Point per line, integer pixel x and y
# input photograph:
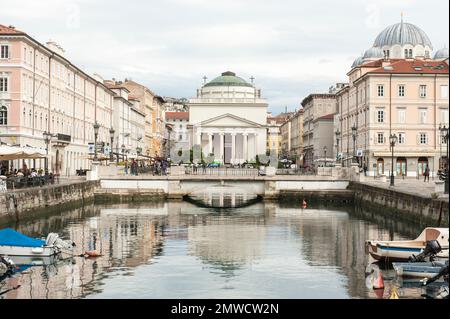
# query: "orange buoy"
{"type": "Point", "coordinates": [92, 254]}
{"type": "Point", "coordinates": [378, 282]}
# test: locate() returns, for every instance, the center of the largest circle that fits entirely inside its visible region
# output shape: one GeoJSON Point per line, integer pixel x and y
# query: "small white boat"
{"type": "Point", "coordinates": [13, 243]}
{"type": "Point", "coordinates": [420, 269]}
{"type": "Point", "coordinates": [401, 250]}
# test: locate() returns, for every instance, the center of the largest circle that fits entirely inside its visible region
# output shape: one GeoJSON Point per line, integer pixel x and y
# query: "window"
{"type": "Point", "coordinates": [401, 90]}
{"type": "Point", "coordinates": [380, 138]}
{"type": "Point", "coordinates": [401, 114]}
{"type": "Point", "coordinates": [423, 116]}
{"type": "Point", "coordinates": [3, 84]}
{"type": "Point", "coordinates": [386, 54]}
{"type": "Point", "coordinates": [401, 138]}
{"type": "Point", "coordinates": [423, 91]}
{"type": "Point", "coordinates": [423, 138]}
{"type": "Point", "coordinates": [380, 90]}
{"type": "Point", "coordinates": [4, 51]}
{"type": "Point", "coordinates": [427, 53]}
{"type": "Point", "coordinates": [408, 53]}
{"type": "Point", "coordinates": [444, 91]}
{"type": "Point", "coordinates": [444, 116]}
{"type": "Point", "coordinates": [380, 116]}
{"type": "Point", "coordinates": [3, 116]}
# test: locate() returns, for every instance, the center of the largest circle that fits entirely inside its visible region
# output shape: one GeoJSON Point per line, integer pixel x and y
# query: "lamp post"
{"type": "Point", "coordinates": [111, 135]}
{"type": "Point", "coordinates": [123, 152]}
{"type": "Point", "coordinates": [325, 151]}
{"type": "Point", "coordinates": [444, 136]}
{"type": "Point", "coordinates": [392, 142]}
{"type": "Point", "coordinates": [47, 137]}
{"type": "Point", "coordinates": [354, 129]}
{"type": "Point", "coordinates": [96, 128]}
{"type": "Point", "coordinates": [338, 135]}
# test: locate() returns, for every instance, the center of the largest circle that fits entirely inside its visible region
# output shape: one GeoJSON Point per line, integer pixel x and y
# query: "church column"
{"type": "Point", "coordinates": [233, 148]}
{"type": "Point", "coordinates": [222, 155]}
{"type": "Point", "coordinates": [199, 137]}
{"type": "Point", "coordinates": [245, 146]}
{"type": "Point", "coordinates": [210, 141]}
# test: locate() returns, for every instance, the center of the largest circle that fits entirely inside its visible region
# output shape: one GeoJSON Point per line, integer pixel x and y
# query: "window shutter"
{"type": "Point", "coordinates": [426, 138]}
{"type": "Point", "coordinates": [384, 139]}
{"type": "Point", "coordinates": [418, 138]}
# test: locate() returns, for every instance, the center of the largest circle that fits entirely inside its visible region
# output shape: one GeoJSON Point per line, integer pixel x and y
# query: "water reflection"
{"type": "Point", "coordinates": [223, 196]}
{"type": "Point", "coordinates": [178, 250]}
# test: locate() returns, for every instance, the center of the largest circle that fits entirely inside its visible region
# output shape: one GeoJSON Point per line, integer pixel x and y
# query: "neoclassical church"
{"type": "Point", "coordinates": [228, 119]}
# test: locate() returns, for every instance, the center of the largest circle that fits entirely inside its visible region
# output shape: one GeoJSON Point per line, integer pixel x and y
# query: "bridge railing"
{"type": "Point", "coordinates": [221, 171]}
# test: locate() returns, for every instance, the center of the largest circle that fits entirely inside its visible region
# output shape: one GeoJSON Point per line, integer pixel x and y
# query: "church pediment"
{"type": "Point", "coordinates": [229, 120]}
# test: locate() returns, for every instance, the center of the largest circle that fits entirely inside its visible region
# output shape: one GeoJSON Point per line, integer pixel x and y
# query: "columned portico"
{"type": "Point", "coordinates": [229, 118]}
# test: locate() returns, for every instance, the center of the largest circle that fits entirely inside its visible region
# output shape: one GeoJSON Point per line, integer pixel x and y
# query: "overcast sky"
{"type": "Point", "coordinates": [291, 47]}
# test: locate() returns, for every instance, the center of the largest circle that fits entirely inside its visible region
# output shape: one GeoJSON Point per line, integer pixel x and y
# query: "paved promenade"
{"type": "Point", "coordinates": [408, 185]}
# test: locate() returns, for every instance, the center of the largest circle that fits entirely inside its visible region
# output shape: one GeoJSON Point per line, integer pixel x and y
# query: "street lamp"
{"type": "Point", "coordinates": [123, 152]}
{"type": "Point", "coordinates": [325, 151]}
{"type": "Point", "coordinates": [392, 142]}
{"type": "Point", "coordinates": [338, 135]}
{"type": "Point", "coordinates": [354, 129]}
{"type": "Point", "coordinates": [96, 128]}
{"type": "Point", "coordinates": [111, 135]}
{"type": "Point", "coordinates": [444, 136]}
{"type": "Point", "coordinates": [47, 138]}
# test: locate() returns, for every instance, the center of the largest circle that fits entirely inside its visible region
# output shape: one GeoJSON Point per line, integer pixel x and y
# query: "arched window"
{"type": "Point", "coordinates": [3, 115]}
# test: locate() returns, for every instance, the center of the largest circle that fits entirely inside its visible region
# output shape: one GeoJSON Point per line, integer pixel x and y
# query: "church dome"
{"type": "Point", "coordinates": [402, 33]}
{"type": "Point", "coordinates": [373, 53]}
{"type": "Point", "coordinates": [441, 54]}
{"type": "Point", "coordinates": [228, 79]}
{"type": "Point", "coordinates": [357, 62]}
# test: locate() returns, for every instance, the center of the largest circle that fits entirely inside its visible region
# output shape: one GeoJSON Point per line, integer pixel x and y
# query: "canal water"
{"type": "Point", "coordinates": [181, 250]}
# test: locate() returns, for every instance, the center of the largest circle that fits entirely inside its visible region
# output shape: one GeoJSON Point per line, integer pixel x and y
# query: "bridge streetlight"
{"type": "Point", "coordinates": [338, 135]}
{"type": "Point", "coordinates": [392, 142]}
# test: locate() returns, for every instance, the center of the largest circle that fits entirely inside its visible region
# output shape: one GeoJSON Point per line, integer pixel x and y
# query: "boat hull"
{"type": "Point", "coordinates": [384, 251]}
{"type": "Point", "coordinates": [421, 269]}
{"type": "Point", "coordinates": [27, 251]}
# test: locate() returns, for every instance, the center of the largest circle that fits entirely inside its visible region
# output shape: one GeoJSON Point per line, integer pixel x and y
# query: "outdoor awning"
{"type": "Point", "coordinates": [403, 154]}
{"type": "Point", "coordinates": [8, 153]}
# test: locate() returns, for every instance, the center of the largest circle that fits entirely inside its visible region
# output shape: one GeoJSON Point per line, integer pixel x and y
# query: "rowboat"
{"type": "Point", "coordinates": [420, 269]}
{"type": "Point", "coordinates": [401, 250]}
{"type": "Point", "coordinates": [13, 243]}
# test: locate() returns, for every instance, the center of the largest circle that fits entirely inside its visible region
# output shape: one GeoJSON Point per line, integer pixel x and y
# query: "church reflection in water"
{"type": "Point", "coordinates": [228, 243]}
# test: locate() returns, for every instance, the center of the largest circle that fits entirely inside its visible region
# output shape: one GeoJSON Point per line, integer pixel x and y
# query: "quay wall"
{"type": "Point", "coordinates": [26, 203]}
{"type": "Point", "coordinates": [422, 210]}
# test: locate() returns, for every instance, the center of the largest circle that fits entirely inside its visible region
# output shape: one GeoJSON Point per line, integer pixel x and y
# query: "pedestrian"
{"type": "Point", "coordinates": [365, 169]}
{"type": "Point", "coordinates": [126, 167]}
{"type": "Point", "coordinates": [426, 174]}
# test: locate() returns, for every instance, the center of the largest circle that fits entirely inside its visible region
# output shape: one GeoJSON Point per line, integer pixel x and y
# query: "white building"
{"type": "Point", "coordinates": [228, 119]}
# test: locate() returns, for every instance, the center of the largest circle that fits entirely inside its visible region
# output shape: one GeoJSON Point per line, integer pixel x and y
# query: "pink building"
{"type": "Point", "coordinates": [41, 91]}
{"type": "Point", "coordinates": [397, 87]}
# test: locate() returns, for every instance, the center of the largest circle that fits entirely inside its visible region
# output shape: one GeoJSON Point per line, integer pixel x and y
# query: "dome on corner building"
{"type": "Point", "coordinates": [441, 54]}
{"type": "Point", "coordinates": [402, 33]}
{"type": "Point", "coordinates": [357, 62]}
{"type": "Point", "coordinates": [373, 53]}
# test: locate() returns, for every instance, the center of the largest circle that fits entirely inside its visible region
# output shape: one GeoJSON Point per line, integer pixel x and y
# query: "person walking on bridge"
{"type": "Point", "coordinates": [426, 174]}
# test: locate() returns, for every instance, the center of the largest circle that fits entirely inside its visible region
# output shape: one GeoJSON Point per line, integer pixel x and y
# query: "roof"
{"type": "Point", "coordinates": [317, 96]}
{"type": "Point", "coordinates": [413, 67]}
{"type": "Point", "coordinates": [228, 79]}
{"type": "Point", "coordinates": [177, 116]}
{"type": "Point", "coordinates": [9, 30]}
{"type": "Point", "coordinates": [116, 86]}
{"type": "Point", "coordinates": [325, 117]}
{"type": "Point", "coordinates": [402, 33]}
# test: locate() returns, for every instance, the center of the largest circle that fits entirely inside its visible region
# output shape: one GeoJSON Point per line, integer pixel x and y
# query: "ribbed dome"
{"type": "Point", "coordinates": [373, 53]}
{"type": "Point", "coordinates": [402, 33]}
{"type": "Point", "coordinates": [228, 79]}
{"type": "Point", "coordinates": [441, 54]}
{"type": "Point", "coordinates": [357, 62]}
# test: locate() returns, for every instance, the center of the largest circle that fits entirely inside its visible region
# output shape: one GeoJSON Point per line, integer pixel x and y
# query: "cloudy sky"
{"type": "Point", "coordinates": [291, 47]}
